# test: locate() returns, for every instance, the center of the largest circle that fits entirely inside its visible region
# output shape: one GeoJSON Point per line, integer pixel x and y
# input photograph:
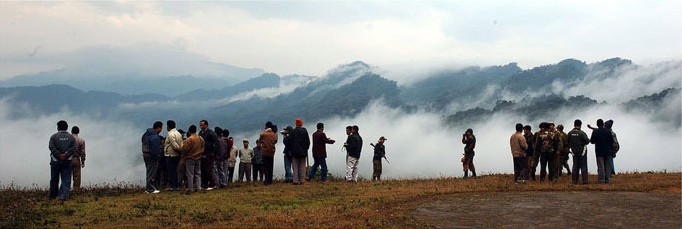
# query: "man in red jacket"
{"type": "Point", "coordinates": [320, 140]}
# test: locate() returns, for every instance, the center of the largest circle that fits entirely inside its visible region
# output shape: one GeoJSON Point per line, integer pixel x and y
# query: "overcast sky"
{"type": "Point", "coordinates": [313, 37]}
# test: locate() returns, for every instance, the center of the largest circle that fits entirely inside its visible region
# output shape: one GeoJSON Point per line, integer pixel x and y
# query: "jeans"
{"type": "Point", "coordinates": [221, 167]}
{"type": "Point", "coordinates": [579, 166]}
{"type": "Point", "coordinates": [193, 171]}
{"type": "Point", "coordinates": [257, 172]}
{"type": "Point", "coordinates": [152, 165]}
{"type": "Point", "coordinates": [268, 163]}
{"type": "Point", "coordinates": [60, 170]}
{"type": "Point", "coordinates": [299, 169]}
{"type": "Point", "coordinates": [352, 168]}
{"type": "Point", "coordinates": [604, 169]}
{"type": "Point", "coordinates": [319, 162]}
{"type": "Point", "coordinates": [230, 174]}
{"type": "Point", "coordinates": [547, 161]}
{"type": "Point", "coordinates": [520, 168]}
{"type": "Point", "coordinates": [208, 179]}
{"type": "Point", "coordinates": [244, 169]}
{"type": "Point", "coordinates": [288, 174]}
{"type": "Point", "coordinates": [172, 171]}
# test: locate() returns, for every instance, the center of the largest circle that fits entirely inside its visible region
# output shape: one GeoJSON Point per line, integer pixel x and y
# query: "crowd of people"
{"type": "Point", "coordinates": [206, 160]}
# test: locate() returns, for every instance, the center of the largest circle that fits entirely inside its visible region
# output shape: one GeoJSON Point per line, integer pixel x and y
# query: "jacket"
{"type": "Point", "coordinates": [267, 142]}
{"type": "Point", "coordinates": [470, 144]}
{"type": "Point", "coordinates": [320, 140]}
{"type": "Point", "coordinates": [379, 151]}
{"type": "Point", "coordinates": [245, 155]}
{"type": "Point", "coordinates": [518, 145]}
{"type": "Point", "coordinates": [80, 144]}
{"type": "Point", "coordinates": [232, 161]}
{"type": "Point", "coordinates": [210, 142]}
{"type": "Point", "coordinates": [62, 142]}
{"type": "Point", "coordinates": [577, 141]}
{"type": "Point", "coordinates": [193, 147]}
{"type": "Point", "coordinates": [603, 142]}
{"type": "Point", "coordinates": [222, 153]}
{"type": "Point", "coordinates": [154, 140]}
{"type": "Point", "coordinates": [530, 141]}
{"type": "Point", "coordinates": [300, 142]}
{"type": "Point", "coordinates": [354, 145]}
{"type": "Point", "coordinates": [173, 143]}
{"type": "Point", "coordinates": [257, 158]}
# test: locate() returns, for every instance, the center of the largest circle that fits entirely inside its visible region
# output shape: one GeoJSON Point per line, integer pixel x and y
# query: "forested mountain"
{"type": "Point", "coordinates": [346, 90]}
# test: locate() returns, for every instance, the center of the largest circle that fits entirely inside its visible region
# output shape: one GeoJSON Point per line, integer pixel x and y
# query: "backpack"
{"type": "Point", "coordinates": [145, 143]}
{"type": "Point", "coordinates": [547, 142]}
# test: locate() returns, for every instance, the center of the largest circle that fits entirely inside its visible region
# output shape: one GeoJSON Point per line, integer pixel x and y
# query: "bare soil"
{"type": "Point", "coordinates": [553, 210]}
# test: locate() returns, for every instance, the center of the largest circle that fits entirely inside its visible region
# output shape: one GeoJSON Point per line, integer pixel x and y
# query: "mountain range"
{"type": "Point", "coordinates": [460, 96]}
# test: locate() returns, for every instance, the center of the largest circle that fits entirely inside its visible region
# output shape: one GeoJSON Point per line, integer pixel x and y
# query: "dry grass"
{"type": "Point", "coordinates": [334, 204]}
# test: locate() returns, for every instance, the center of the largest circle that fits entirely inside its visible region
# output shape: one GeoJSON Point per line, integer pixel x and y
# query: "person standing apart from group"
{"type": "Point", "coordinates": [469, 141]}
{"type": "Point", "coordinates": [320, 141]}
{"type": "Point", "coordinates": [353, 147]}
{"type": "Point", "coordinates": [379, 153]}
{"type": "Point", "coordinates": [603, 146]}
{"type": "Point", "coordinates": [245, 155]}
{"type": "Point", "coordinates": [577, 143]}
{"type": "Point", "coordinates": [62, 146]}
{"type": "Point", "coordinates": [518, 147]}
{"type": "Point", "coordinates": [267, 142]}
{"type": "Point", "coordinates": [151, 153]}
{"type": "Point", "coordinates": [78, 161]}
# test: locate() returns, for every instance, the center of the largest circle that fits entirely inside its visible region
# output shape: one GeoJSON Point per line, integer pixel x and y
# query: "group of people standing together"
{"type": "Point", "coordinates": [551, 148]}
{"type": "Point", "coordinates": [67, 157]}
{"type": "Point", "coordinates": [206, 160]}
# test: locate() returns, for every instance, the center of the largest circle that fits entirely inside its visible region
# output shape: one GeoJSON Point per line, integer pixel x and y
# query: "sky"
{"type": "Point", "coordinates": [311, 37]}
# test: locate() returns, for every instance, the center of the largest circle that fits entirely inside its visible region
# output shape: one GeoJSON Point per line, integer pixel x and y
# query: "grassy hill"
{"type": "Point", "coordinates": [335, 204]}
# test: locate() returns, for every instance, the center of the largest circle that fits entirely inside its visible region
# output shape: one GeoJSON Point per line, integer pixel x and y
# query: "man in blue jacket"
{"type": "Point", "coordinates": [603, 143]}
{"type": "Point", "coordinates": [62, 146]}
{"type": "Point", "coordinates": [151, 152]}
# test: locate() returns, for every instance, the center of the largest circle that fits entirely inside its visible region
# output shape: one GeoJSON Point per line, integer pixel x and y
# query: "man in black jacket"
{"type": "Point", "coordinates": [577, 143]}
{"type": "Point", "coordinates": [62, 146]}
{"type": "Point", "coordinates": [209, 179]}
{"type": "Point", "coordinates": [603, 144]}
{"type": "Point", "coordinates": [151, 153]}
{"type": "Point", "coordinates": [353, 147]}
{"type": "Point", "coordinates": [300, 143]}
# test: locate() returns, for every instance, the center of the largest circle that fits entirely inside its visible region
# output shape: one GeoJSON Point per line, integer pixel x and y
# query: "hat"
{"type": "Point", "coordinates": [382, 137]}
{"type": "Point", "coordinates": [245, 140]}
{"type": "Point", "coordinates": [287, 130]}
{"type": "Point", "coordinates": [299, 122]}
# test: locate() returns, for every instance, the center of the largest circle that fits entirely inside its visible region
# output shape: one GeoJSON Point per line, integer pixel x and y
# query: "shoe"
{"type": "Point", "coordinates": [209, 188]}
{"type": "Point", "coordinates": [522, 181]}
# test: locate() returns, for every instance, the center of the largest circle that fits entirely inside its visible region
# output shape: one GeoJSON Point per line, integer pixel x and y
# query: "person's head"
{"type": "Point", "coordinates": [182, 132]}
{"type": "Point", "coordinates": [268, 125]}
{"type": "Point", "coordinates": [320, 126]}
{"type": "Point", "coordinates": [349, 130]}
{"type": "Point", "coordinates": [75, 130]}
{"type": "Point", "coordinates": [170, 124]}
{"type": "Point", "coordinates": [608, 124]}
{"type": "Point", "coordinates": [356, 129]}
{"type": "Point", "coordinates": [62, 125]}
{"type": "Point", "coordinates": [526, 129]}
{"type": "Point", "coordinates": [577, 123]}
{"type": "Point", "coordinates": [550, 126]}
{"type": "Point", "coordinates": [226, 133]}
{"type": "Point", "coordinates": [544, 125]}
{"type": "Point", "coordinates": [600, 123]}
{"type": "Point", "coordinates": [246, 143]}
{"type": "Point", "coordinates": [560, 127]}
{"type": "Point", "coordinates": [382, 139]}
{"type": "Point", "coordinates": [158, 126]}
{"type": "Point", "coordinates": [519, 127]}
{"type": "Point", "coordinates": [469, 131]}
{"type": "Point", "coordinates": [299, 122]}
{"type": "Point", "coordinates": [203, 124]}
{"type": "Point", "coordinates": [218, 131]}
{"type": "Point", "coordinates": [191, 130]}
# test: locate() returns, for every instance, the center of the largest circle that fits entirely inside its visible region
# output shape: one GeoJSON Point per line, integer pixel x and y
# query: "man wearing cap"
{"type": "Point", "coordinates": [320, 140]}
{"type": "Point", "coordinates": [245, 155]}
{"type": "Point", "coordinates": [300, 143]}
{"type": "Point", "coordinates": [267, 142]}
{"type": "Point", "coordinates": [379, 152]}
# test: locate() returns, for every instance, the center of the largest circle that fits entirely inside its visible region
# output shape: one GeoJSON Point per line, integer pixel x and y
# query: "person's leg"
{"type": "Point", "coordinates": [214, 172]}
{"type": "Point", "coordinates": [355, 169]}
{"type": "Point", "coordinates": [600, 170]}
{"type": "Point", "coordinates": [465, 166]}
{"type": "Point", "coordinates": [523, 174]}
{"type": "Point", "coordinates": [220, 170]}
{"type": "Point", "coordinates": [189, 174]}
{"type": "Point", "coordinates": [65, 187]}
{"type": "Point", "coordinates": [313, 169]}
{"type": "Point", "coordinates": [288, 174]}
{"type": "Point", "coordinates": [76, 168]}
{"type": "Point", "coordinates": [472, 168]}
{"type": "Point", "coordinates": [230, 174]}
{"type": "Point", "coordinates": [583, 169]}
{"type": "Point", "coordinates": [241, 171]}
{"type": "Point", "coordinates": [551, 164]}
{"type": "Point", "coordinates": [543, 167]}
{"type": "Point", "coordinates": [171, 171]}
{"type": "Point", "coordinates": [151, 172]}
{"type": "Point", "coordinates": [204, 172]}
{"type": "Point", "coordinates": [197, 175]}
{"type": "Point", "coordinates": [54, 179]}
{"type": "Point", "coordinates": [375, 170]}
{"type": "Point", "coordinates": [576, 169]}
{"type": "Point", "coordinates": [247, 169]}
{"type": "Point", "coordinates": [268, 162]}
{"type": "Point", "coordinates": [517, 168]}
{"type": "Point", "coordinates": [323, 170]}
{"type": "Point", "coordinates": [349, 168]}
{"type": "Point", "coordinates": [380, 169]}
{"type": "Point", "coordinates": [607, 169]}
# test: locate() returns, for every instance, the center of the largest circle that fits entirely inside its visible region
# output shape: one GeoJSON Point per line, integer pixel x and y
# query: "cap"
{"type": "Point", "coordinates": [246, 140]}
{"type": "Point", "coordinates": [382, 137]}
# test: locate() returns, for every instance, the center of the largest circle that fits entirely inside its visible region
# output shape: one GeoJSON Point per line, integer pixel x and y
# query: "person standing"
{"type": "Point", "coordinates": [379, 153]}
{"type": "Point", "coordinates": [518, 147]}
{"type": "Point", "coordinates": [267, 141]}
{"type": "Point", "coordinates": [209, 179]}
{"type": "Point", "coordinates": [245, 155]}
{"type": "Point", "coordinates": [320, 140]}
{"type": "Point", "coordinates": [78, 160]}
{"type": "Point", "coordinates": [562, 157]}
{"type": "Point", "coordinates": [172, 152]}
{"type": "Point", "coordinates": [232, 160]}
{"type": "Point", "coordinates": [616, 146]}
{"type": "Point", "coordinates": [577, 143]}
{"type": "Point", "coordinates": [192, 148]}
{"type": "Point", "coordinates": [353, 147]}
{"type": "Point", "coordinates": [469, 141]}
{"type": "Point", "coordinates": [546, 143]}
{"type": "Point", "coordinates": [286, 139]}
{"type": "Point", "coordinates": [530, 151]}
{"type": "Point", "coordinates": [62, 147]}
{"type": "Point", "coordinates": [300, 143]}
{"type": "Point", "coordinates": [151, 153]}
{"type": "Point", "coordinates": [257, 164]}
{"type": "Point", "coordinates": [603, 146]}
{"type": "Point", "coordinates": [222, 157]}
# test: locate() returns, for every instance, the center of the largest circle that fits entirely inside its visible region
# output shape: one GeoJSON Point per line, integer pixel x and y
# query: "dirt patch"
{"type": "Point", "coordinates": [553, 209]}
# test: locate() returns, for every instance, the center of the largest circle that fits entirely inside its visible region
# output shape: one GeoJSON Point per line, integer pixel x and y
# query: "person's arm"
{"type": "Point", "coordinates": [593, 139]}
{"type": "Point", "coordinates": [306, 141]}
{"type": "Point", "coordinates": [82, 149]}
{"type": "Point", "coordinates": [522, 143]}
{"type": "Point", "coordinates": [327, 140]}
{"type": "Point", "coordinates": [53, 147]}
{"type": "Point", "coordinates": [155, 146]}
{"type": "Point", "coordinates": [174, 139]}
